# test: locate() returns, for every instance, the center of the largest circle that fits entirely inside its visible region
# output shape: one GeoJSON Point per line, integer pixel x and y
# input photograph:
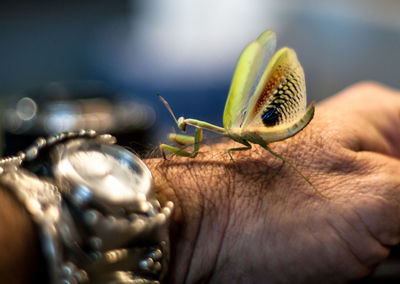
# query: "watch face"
{"type": "Point", "coordinates": [103, 173]}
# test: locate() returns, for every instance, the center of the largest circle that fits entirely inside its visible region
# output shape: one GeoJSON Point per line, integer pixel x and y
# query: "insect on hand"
{"type": "Point", "coordinates": [266, 102]}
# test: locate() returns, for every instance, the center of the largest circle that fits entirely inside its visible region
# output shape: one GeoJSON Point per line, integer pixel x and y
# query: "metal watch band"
{"type": "Point", "coordinates": [90, 234]}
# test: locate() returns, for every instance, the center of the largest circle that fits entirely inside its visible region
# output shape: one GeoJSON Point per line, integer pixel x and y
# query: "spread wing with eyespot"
{"type": "Point", "coordinates": [277, 109]}
{"type": "Point", "coordinates": [249, 69]}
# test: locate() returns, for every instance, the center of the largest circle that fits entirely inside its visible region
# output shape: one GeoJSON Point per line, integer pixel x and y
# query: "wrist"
{"type": "Point", "coordinates": [200, 215]}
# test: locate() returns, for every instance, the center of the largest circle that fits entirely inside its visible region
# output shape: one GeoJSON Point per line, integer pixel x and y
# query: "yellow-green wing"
{"type": "Point", "coordinates": [249, 69]}
{"type": "Point", "coordinates": [277, 109]}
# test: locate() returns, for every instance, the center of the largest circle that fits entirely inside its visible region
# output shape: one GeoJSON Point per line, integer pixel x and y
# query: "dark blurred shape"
{"type": "Point", "coordinates": [45, 41]}
{"type": "Point", "coordinates": [58, 107]}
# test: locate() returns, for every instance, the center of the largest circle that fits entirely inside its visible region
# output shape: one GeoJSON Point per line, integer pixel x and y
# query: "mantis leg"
{"type": "Point", "coordinates": [184, 139]}
{"type": "Point", "coordinates": [294, 168]}
{"type": "Point", "coordinates": [247, 147]}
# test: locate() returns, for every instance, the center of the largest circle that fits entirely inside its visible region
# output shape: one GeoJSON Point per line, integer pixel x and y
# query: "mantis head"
{"type": "Point", "coordinates": [181, 123]}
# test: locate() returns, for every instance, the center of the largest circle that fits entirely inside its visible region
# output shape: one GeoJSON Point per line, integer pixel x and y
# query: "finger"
{"type": "Point", "coordinates": [365, 117]}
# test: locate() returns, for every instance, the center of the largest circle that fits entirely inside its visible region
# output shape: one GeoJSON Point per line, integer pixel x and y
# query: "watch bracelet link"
{"type": "Point", "coordinates": [85, 244]}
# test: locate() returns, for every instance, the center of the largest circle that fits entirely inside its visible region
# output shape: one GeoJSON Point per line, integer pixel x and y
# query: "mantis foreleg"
{"type": "Point", "coordinates": [183, 140]}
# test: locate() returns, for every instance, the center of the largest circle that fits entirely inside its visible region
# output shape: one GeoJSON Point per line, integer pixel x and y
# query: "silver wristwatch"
{"type": "Point", "coordinates": [93, 201]}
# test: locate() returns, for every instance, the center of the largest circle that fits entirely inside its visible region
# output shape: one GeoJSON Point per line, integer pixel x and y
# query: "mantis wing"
{"type": "Point", "coordinates": [277, 110]}
{"type": "Point", "coordinates": [249, 68]}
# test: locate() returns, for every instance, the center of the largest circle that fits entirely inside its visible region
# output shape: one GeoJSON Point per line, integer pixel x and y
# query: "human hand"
{"type": "Point", "coordinates": [265, 224]}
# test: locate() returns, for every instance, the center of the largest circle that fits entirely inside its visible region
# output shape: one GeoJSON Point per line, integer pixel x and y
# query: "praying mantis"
{"type": "Point", "coordinates": [266, 103]}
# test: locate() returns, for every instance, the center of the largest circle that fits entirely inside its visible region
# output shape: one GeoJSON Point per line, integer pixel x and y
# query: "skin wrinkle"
{"type": "Point", "coordinates": [374, 170]}
{"type": "Point", "coordinates": [194, 247]}
{"type": "Point", "coordinates": [198, 229]}
{"type": "Point", "coordinates": [312, 234]}
{"type": "Point", "coordinates": [213, 206]}
{"type": "Point", "coordinates": [337, 158]}
{"type": "Point", "coordinates": [224, 233]}
{"type": "Point", "coordinates": [343, 162]}
{"type": "Point", "coordinates": [309, 270]}
{"type": "Point", "coordinates": [351, 169]}
{"type": "Point", "coordinates": [282, 223]}
{"type": "Point", "coordinates": [200, 213]}
{"type": "Point", "coordinates": [345, 245]}
{"type": "Point", "coordinates": [278, 223]}
{"type": "Point", "coordinates": [372, 237]}
{"type": "Point", "coordinates": [312, 227]}
{"type": "Point", "coordinates": [218, 260]}
{"type": "Point", "coordinates": [367, 228]}
{"type": "Point", "coordinates": [233, 246]}
{"type": "Point", "coordinates": [376, 234]}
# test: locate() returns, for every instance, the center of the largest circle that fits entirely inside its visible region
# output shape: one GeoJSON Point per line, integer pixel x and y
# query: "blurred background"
{"type": "Point", "coordinates": [99, 64]}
